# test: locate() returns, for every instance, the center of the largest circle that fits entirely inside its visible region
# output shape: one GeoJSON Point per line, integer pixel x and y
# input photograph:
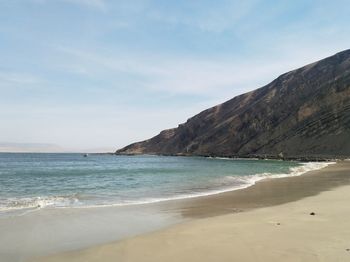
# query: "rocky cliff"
{"type": "Point", "coordinates": [302, 113]}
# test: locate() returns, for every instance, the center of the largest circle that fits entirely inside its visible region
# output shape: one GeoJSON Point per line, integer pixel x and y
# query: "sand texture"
{"type": "Point", "coordinates": [285, 232]}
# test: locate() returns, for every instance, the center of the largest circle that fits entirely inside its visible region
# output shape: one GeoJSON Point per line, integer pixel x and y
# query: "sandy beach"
{"type": "Point", "coordinates": [275, 225]}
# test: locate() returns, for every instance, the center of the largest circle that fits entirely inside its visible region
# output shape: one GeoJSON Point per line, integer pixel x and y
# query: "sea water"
{"type": "Point", "coordinates": [37, 181]}
{"type": "Point", "coordinates": [51, 203]}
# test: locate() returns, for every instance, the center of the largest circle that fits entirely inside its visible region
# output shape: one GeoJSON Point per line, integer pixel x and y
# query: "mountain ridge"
{"type": "Point", "coordinates": [302, 113]}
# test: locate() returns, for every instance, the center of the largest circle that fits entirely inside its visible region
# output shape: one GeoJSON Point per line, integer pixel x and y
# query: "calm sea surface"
{"type": "Point", "coordinates": [35, 181]}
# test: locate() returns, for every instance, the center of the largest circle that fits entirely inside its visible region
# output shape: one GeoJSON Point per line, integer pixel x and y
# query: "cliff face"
{"type": "Point", "coordinates": [302, 113]}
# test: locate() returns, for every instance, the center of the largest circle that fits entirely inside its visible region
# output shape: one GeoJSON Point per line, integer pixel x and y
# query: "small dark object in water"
{"type": "Point", "coordinates": [86, 155]}
{"type": "Point", "coordinates": [348, 249]}
{"type": "Point", "coordinates": [278, 224]}
{"type": "Point", "coordinates": [312, 214]}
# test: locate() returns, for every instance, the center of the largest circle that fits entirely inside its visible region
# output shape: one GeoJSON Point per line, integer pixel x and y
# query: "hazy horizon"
{"type": "Point", "coordinates": [9, 147]}
{"type": "Point", "coordinates": [78, 75]}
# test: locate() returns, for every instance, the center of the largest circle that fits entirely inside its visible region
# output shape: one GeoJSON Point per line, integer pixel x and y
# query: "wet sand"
{"type": "Point", "coordinates": [269, 221]}
{"type": "Point", "coordinates": [265, 193]}
{"type": "Point", "coordinates": [53, 230]}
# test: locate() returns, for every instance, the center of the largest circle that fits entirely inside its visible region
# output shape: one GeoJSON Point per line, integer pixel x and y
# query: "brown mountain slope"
{"type": "Point", "coordinates": [302, 113]}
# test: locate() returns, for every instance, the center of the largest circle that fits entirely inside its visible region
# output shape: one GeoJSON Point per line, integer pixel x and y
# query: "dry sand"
{"type": "Point", "coordinates": [281, 230]}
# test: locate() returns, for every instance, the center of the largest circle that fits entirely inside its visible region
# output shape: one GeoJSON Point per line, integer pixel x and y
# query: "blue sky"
{"type": "Point", "coordinates": [99, 74]}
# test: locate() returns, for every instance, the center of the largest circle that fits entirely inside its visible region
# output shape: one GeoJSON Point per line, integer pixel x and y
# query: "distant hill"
{"type": "Point", "coordinates": [29, 147]}
{"type": "Point", "coordinates": [302, 113]}
{"type": "Point", "coordinates": [9, 147]}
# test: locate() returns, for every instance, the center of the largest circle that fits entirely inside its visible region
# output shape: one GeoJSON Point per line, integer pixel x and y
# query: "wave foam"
{"type": "Point", "coordinates": [72, 201]}
{"type": "Point", "coordinates": [293, 171]}
{"type": "Point", "coordinates": [240, 183]}
{"type": "Point", "coordinates": [13, 204]}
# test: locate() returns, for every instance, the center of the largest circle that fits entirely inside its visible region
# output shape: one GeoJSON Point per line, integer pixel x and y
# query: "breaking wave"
{"type": "Point", "coordinates": [224, 184]}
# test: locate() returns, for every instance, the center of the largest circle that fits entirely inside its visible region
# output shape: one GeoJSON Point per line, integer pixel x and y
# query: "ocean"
{"type": "Point", "coordinates": [30, 182]}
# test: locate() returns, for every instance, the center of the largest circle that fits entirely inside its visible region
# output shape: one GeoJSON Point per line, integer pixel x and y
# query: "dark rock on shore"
{"type": "Point", "coordinates": [303, 114]}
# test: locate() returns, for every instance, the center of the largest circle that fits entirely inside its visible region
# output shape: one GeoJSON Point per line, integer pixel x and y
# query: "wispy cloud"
{"type": "Point", "coordinates": [217, 18]}
{"type": "Point", "coordinates": [182, 75]}
{"type": "Point", "coordinates": [96, 4]}
{"type": "Point", "coordinates": [215, 77]}
{"type": "Point", "coordinates": [99, 4]}
{"type": "Point", "coordinates": [18, 79]}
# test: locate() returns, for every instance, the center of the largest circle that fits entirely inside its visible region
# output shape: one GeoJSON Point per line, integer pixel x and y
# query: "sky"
{"type": "Point", "coordinates": [100, 74]}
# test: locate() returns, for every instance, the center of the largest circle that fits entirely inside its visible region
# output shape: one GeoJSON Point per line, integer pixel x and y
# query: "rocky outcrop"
{"type": "Point", "coordinates": [302, 113]}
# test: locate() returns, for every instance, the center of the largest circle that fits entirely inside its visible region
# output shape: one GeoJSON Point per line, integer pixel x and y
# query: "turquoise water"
{"type": "Point", "coordinates": [32, 181]}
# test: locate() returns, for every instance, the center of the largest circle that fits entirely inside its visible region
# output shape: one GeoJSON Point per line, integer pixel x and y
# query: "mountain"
{"type": "Point", "coordinates": [302, 113]}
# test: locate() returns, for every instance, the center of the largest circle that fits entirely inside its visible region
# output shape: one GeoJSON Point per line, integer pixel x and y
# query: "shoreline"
{"type": "Point", "coordinates": [265, 194]}
{"type": "Point", "coordinates": [28, 234]}
{"type": "Point", "coordinates": [251, 180]}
